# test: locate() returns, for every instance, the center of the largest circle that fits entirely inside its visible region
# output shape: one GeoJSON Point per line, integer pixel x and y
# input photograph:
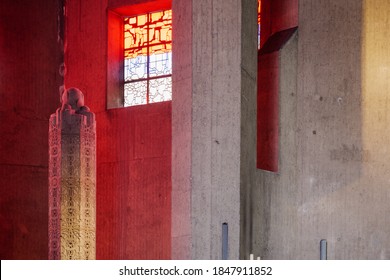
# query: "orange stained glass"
{"type": "Point", "coordinates": [148, 34]}
{"type": "Point", "coordinates": [148, 58]}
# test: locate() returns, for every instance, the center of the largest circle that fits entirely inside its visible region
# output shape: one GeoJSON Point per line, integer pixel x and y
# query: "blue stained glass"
{"type": "Point", "coordinates": [160, 64]}
{"type": "Point", "coordinates": [136, 68]}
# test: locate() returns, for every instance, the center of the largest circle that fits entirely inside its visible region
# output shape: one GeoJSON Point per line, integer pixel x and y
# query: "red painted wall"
{"type": "Point", "coordinates": [277, 15]}
{"type": "Point", "coordinates": [29, 60]}
{"type": "Point", "coordinates": [268, 111]}
{"type": "Point", "coordinates": [279, 19]}
{"type": "Point", "coordinates": [133, 146]}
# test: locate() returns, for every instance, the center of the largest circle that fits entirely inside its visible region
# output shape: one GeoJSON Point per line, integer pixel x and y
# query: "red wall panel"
{"type": "Point", "coordinates": [133, 146]}
{"type": "Point", "coordinates": [279, 20]}
{"type": "Point", "coordinates": [277, 15]}
{"type": "Point", "coordinates": [29, 60]}
{"type": "Point", "coordinates": [268, 112]}
{"type": "Point", "coordinates": [134, 182]}
{"type": "Point", "coordinates": [107, 210]}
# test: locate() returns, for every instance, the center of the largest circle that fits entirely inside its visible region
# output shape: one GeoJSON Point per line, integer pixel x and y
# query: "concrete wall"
{"type": "Point", "coordinates": [133, 144]}
{"type": "Point", "coordinates": [333, 182]}
{"type": "Point", "coordinates": [372, 193]}
{"type": "Point", "coordinates": [217, 75]}
{"type": "Point", "coordinates": [30, 57]}
{"type": "Point", "coordinates": [277, 15]}
{"type": "Point", "coordinates": [274, 195]}
{"type": "Point", "coordinates": [215, 127]}
{"type": "Point", "coordinates": [248, 124]}
{"type": "Point", "coordinates": [333, 178]}
{"type": "Point", "coordinates": [181, 129]}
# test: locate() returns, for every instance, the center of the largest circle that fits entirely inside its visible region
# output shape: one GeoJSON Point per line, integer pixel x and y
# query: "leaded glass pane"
{"type": "Point", "coordinates": [136, 68]}
{"type": "Point", "coordinates": [160, 28]}
{"type": "Point", "coordinates": [136, 34]}
{"type": "Point", "coordinates": [156, 49]}
{"type": "Point", "coordinates": [135, 93]}
{"type": "Point", "coordinates": [160, 90]}
{"type": "Point", "coordinates": [148, 58]}
{"type": "Point", "coordinates": [131, 53]}
{"type": "Point", "coordinates": [160, 64]}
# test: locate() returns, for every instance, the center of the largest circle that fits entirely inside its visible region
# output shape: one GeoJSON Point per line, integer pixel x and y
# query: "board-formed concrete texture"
{"type": "Point", "coordinates": [216, 86]}
{"type": "Point", "coordinates": [248, 123]}
{"type": "Point", "coordinates": [279, 189]}
{"type": "Point", "coordinates": [30, 56]}
{"type": "Point", "coordinates": [181, 129]}
{"type": "Point", "coordinates": [333, 183]}
{"type": "Point", "coordinates": [133, 197]}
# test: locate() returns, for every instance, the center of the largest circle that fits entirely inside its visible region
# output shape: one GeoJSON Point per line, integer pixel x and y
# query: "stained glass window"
{"type": "Point", "coordinates": [258, 22]}
{"type": "Point", "coordinates": [148, 58]}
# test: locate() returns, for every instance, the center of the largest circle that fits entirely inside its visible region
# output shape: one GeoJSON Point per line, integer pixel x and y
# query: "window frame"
{"type": "Point", "coordinates": [115, 47]}
{"type": "Point", "coordinates": [149, 77]}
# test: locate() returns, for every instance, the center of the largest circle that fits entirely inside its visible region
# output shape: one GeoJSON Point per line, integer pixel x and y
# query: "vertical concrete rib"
{"type": "Point", "coordinates": [206, 173]}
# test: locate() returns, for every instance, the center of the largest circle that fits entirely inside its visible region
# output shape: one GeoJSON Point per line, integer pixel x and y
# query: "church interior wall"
{"type": "Point", "coordinates": [133, 145]}
{"type": "Point", "coordinates": [333, 152]}
{"type": "Point", "coordinates": [333, 158]}
{"type": "Point", "coordinates": [30, 57]}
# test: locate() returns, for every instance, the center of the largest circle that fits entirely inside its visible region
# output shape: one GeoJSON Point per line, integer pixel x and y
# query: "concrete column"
{"type": "Point", "coordinates": [214, 78]}
{"type": "Point", "coordinates": [72, 180]}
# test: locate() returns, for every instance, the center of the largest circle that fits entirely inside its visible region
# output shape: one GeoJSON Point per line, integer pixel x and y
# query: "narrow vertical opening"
{"type": "Point", "coordinates": [225, 241]}
{"type": "Point", "coordinates": [323, 250]}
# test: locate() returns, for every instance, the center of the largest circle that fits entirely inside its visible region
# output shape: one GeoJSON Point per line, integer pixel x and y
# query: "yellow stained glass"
{"type": "Point", "coordinates": [148, 58]}
{"type": "Point", "coordinates": [148, 30]}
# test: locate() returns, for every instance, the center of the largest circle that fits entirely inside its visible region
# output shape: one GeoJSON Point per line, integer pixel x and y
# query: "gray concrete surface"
{"type": "Point", "coordinates": [334, 179]}
{"type": "Point", "coordinates": [207, 135]}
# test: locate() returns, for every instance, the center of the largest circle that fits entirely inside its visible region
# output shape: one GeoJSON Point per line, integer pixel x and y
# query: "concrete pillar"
{"type": "Point", "coordinates": [214, 83]}
{"type": "Point", "coordinates": [72, 180]}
